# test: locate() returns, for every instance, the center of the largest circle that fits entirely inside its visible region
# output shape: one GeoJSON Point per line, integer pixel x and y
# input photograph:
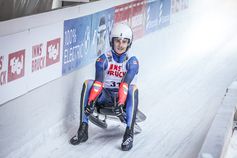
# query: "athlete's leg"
{"type": "Point", "coordinates": [131, 111]}
{"type": "Point", "coordinates": [82, 132]}
{"type": "Point", "coordinates": [84, 99]}
{"type": "Point", "coordinates": [131, 105]}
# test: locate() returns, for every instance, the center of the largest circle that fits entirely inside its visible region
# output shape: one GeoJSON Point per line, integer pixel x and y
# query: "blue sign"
{"type": "Point", "coordinates": [76, 43]}
{"type": "Point", "coordinates": [152, 15]}
{"type": "Point", "coordinates": [164, 13]}
{"type": "Point", "coordinates": [102, 23]}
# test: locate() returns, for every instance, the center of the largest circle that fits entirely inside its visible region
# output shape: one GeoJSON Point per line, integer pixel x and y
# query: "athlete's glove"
{"type": "Point", "coordinates": [122, 95]}
{"type": "Point", "coordinates": [89, 109]}
{"type": "Point", "coordinates": [118, 110]}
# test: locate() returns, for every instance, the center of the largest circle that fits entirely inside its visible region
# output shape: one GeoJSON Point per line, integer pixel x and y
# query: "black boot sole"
{"type": "Point", "coordinates": [126, 148]}
{"type": "Point", "coordinates": [75, 141]}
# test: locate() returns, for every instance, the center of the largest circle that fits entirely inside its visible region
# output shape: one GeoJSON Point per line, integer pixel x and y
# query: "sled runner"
{"type": "Point", "coordinates": [102, 113]}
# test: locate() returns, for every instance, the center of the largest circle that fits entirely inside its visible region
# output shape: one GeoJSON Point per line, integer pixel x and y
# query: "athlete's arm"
{"type": "Point", "coordinates": [132, 69]}
{"type": "Point", "coordinates": [100, 65]}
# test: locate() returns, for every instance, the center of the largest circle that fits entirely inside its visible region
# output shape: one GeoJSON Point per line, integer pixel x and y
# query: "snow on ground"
{"type": "Point", "coordinates": [184, 72]}
{"type": "Point", "coordinates": [232, 149]}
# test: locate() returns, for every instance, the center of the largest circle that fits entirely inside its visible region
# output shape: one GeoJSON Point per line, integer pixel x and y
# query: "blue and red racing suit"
{"type": "Point", "coordinates": [114, 80]}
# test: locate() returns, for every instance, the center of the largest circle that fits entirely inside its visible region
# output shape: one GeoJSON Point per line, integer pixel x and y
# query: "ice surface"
{"type": "Point", "coordinates": [185, 69]}
{"type": "Point", "coordinates": [232, 150]}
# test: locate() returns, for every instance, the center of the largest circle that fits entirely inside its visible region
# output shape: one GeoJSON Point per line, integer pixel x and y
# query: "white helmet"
{"type": "Point", "coordinates": [121, 30]}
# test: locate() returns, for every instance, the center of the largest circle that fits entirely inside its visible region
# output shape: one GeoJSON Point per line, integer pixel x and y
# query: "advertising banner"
{"type": "Point", "coordinates": [13, 63]}
{"type": "Point", "coordinates": [101, 27]}
{"type": "Point", "coordinates": [34, 57]}
{"type": "Point", "coordinates": [29, 59]}
{"type": "Point", "coordinates": [76, 43]}
{"type": "Point", "coordinates": [138, 18]}
{"type": "Point", "coordinates": [45, 54]}
{"type": "Point", "coordinates": [164, 13]}
{"type": "Point", "coordinates": [123, 13]}
{"type": "Point", "coordinates": [185, 4]}
{"type": "Point", "coordinates": [152, 15]}
{"type": "Point", "coordinates": [178, 5]}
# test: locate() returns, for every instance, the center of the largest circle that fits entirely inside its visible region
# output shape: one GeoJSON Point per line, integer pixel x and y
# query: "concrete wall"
{"type": "Point", "coordinates": [221, 130]}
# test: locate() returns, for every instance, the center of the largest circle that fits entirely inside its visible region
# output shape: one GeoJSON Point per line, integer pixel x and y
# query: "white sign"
{"type": "Point", "coordinates": [13, 56]}
{"type": "Point", "coordinates": [30, 59]}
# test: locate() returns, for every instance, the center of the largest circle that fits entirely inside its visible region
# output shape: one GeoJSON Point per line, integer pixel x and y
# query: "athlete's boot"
{"type": "Point", "coordinates": [127, 139]}
{"type": "Point", "coordinates": [82, 134]}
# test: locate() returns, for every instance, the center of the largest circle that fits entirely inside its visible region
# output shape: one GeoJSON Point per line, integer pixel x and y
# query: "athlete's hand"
{"type": "Point", "coordinates": [118, 110]}
{"type": "Point", "coordinates": [89, 109]}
